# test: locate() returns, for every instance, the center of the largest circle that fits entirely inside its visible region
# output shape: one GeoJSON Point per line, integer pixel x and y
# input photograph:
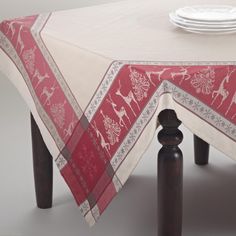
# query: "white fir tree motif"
{"type": "Point", "coordinates": [58, 113]}
{"type": "Point", "coordinates": [140, 84]}
{"type": "Point", "coordinates": [112, 129]}
{"type": "Point", "coordinates": [203, 81]}
{"type": "Point", "coordinates": [29, 59]}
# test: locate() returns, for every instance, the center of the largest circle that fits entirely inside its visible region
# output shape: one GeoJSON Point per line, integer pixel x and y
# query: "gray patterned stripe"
{"type": "Point", "coordinates": [102, 90]}
{"type": "Point", "coordinates": [179, 63]}
{"type": "Point", "coordinates": [184, 99]}
{"type": "Point", "coordinates": [202, 110]}
{"type": "Point", "coordinates": [11, 52]}
{"type": "Point", "coordinates": [35, 30]}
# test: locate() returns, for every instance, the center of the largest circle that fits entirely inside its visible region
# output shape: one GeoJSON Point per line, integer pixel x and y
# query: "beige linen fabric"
{"type": "Point", "coordinates": [138, 30]}
{"type": "Point", "coordinates": [84, 42]}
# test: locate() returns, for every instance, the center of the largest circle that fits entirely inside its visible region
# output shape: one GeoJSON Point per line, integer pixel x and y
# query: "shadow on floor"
{"type": "Point", "coordinates": [209, 207]}
{"type": "Point", "coordinates": [210, 200]}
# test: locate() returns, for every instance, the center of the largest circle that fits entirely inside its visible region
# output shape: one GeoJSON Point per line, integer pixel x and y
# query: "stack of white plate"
{"type": "Point", "coordinates": [209, 19]}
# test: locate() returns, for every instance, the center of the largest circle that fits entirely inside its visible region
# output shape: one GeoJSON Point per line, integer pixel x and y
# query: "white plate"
{"type": "Point", "coordinates": [217, 24]}
{"type": "Point", "coordinates": [204, 30]}
{"type": "Point", "coordinates": [200, 24]}
{"type": "Point", "coordinates": [208, 13]}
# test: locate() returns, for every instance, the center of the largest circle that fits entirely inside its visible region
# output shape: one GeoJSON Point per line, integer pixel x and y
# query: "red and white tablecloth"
{"type": "Point", "coordinates": [96, 79]}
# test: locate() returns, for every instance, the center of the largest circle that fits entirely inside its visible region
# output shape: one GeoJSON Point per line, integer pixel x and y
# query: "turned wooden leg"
{"type": "Point", "coordinates": [43, 172]}
{"type": "Point", "coordinates": [170, 176]}
{"type": "Point", "coordinates": [201, 151]}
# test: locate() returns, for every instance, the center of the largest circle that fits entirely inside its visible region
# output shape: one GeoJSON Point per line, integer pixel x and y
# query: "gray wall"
{"type": "Point", "coordinates": [14, 8]}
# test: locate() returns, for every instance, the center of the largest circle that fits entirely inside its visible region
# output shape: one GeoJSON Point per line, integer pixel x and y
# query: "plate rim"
{"type": "Point", "coordinates": [206, 6]}
{"type": "Point", "coordinates": [176, 19]}
{"type": "Point", "coordinates": [210, 23]}
{"type": "Point", "coordinates": [202, 30]}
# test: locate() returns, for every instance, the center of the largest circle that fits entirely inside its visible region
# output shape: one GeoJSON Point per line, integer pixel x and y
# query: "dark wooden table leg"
{"type": "Point", "coordinates": [201, 151]}
{"type": "Point", "coordinates": [170, 176]}
{"type": "Point", "coordinates": [43, 169]}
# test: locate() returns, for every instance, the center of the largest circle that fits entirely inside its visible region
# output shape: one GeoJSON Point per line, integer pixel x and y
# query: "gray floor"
{"type": "Point", "coordinates": [209, 192]}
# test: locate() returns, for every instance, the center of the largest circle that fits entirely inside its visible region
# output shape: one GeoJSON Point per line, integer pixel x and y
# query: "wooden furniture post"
{"type": "Point", "coordinates": [201, 151]}
{"type": "Point", "coordinates": [43, 169]}
{"type": "Point", "coordinates": [170, 176]}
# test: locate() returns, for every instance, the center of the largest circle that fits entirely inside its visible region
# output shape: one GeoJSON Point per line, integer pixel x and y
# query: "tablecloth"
{"type": "Point", "coordinates": [96, 78]}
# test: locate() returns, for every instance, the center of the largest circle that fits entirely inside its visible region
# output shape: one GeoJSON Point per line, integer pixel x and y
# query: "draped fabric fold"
{"type": "Point", "coordinates": [98, 114]}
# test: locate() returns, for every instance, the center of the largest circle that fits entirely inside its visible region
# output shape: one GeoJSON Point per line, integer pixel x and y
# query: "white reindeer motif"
{"type": "Point", "coordinates": [221, 90]}
{"type": "Point", "coordinates": [104, 144]}
{"type": "Point", "coordinates": [157, 73]}
{"type": "Point", "coordinates": [128, 99]}
{"type": "Point", "coordinates": [11, 27]}
{"type": "Point", "coordinates": [183, 73]}
{"type": "Point", "coordinates": [19, 41]}
{"type": "Point", "coordinates": [120, 113]}
{"type": "Point", "coordinates": [40, 77]}
{"type": "Point", "coordinates": [68, 132]}
{"type": "Point", "coordinates": [231, 104]}
{"type": "Point", "coordinates": [48, 93]}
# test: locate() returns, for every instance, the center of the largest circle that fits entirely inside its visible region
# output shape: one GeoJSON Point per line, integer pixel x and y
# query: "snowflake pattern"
{"type": "Point", "coordinates": [29, 59]}
{"type": "Point", "coordinates": [203, 81]}
{"type": "Point", "coordinates": [140, 84]}
{"type": "Point", "coordinates": [112, 129]}
{"type": "Point", "coordinates": [58, 113]}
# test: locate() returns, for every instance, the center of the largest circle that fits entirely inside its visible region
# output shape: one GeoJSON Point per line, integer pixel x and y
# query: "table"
{"type": "Point", "coordinates": [99, 80]}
